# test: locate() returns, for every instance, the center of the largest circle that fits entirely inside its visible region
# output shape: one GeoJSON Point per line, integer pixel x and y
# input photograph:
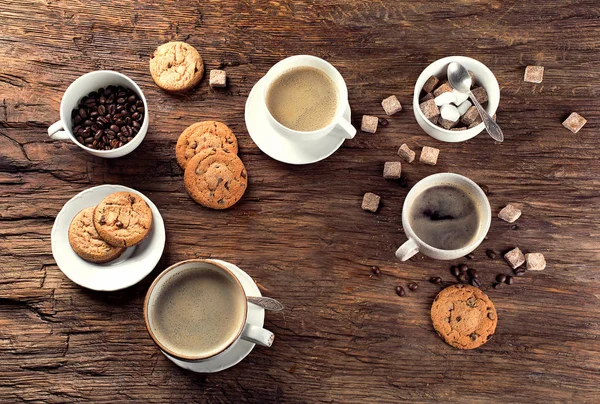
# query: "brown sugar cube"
{"type": "Point", "coordinates": [430, 84]}
{"type": "Point", "coordinates": [514, 257]}
{"type": "Point", "coordinates": [430, 110]}
{"type": "Point", "coordinates": [371, 202]}
{"type": "Point", "coordinates": [470, 116]}
{"type": "Point", "coordinates": [427, 97]}
{"type": "Point", "coordinates": [509, 213]}
{"type": "Point", "coordinates": [459, 129]}
{"type": "Point", "coordinates": [369, 124]}
{"type": "Point", "coordinates": [535, 261]}
{"type": "Point", "coordinates": [480, 94]}
{"type": "Point", "coordinates": [218, 78]}
{"type": "Point", "coordinates": [446, 124]}
{"type": "Point", "coordinates": [534, 74]}
{"type": "Point", "coordinates": [406, 153]}
{"type": "Point", "coordinates": [574, 122]}
{"type": "Point", "coordinates": [391, 105]}
{"type": "Point", "coordinates": [473, 79]}
{"type": "Point", "coordinates": [429, 155]}
{"type": "Point", "coordinates": [392, 170]}
{"type": "Point", "coordinates": [444, 88]}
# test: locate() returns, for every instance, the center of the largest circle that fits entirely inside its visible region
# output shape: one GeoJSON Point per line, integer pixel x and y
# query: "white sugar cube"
{"type": "Point", "coordinates": [460, 97]}
{"type": "Point", "coordinates": [449, 112]}
{"type": "Point", "coordinates": [464, 107]}
{"type": "Point", "coordinates": [445, 98]}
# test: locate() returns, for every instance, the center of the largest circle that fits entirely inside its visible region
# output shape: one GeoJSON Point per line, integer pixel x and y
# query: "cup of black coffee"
{"type": "Point", "coordinates": [445, 216]}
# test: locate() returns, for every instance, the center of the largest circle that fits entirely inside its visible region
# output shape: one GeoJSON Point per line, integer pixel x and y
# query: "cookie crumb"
{"type": "Point", "coordinates": [509, 213]}
{"type": "Point", "coordinates": [391, 105]}
{"type": "Point", "coordinates": [574, 122]}
{"type": "Point", "coordinates": [392, 170]}
{"type": "Point", "coordinates": [534, 74]}
{"type": "Point", "coordinates": [406, 153]}
{"type": "Point", "coordinates": [369, 124]}
{"type": "Point", "coordinates": [535, 261]}
{"type": "Point", "coordinates": [429, 155]}
{"type": "Point", "coordinates": [371, 202]}
{"type": "Point", "coordinates": [218, 78]}
{"type": "Point", "coordinates": [515, 258]}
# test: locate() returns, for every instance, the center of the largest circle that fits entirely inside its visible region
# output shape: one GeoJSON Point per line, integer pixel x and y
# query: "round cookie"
{"type": "Point", "coordinates": [464, 316]}
{"type": "Point", "coordinates": [123, 219]}
{"type": "Point", "coordinates": [215, 178]}
{"type": "Point", "coordinates": [203, 135]}
{"type": "Point", "coordinates": [176, 66]}
{"type": "Point", "coordinates": [86, 241]}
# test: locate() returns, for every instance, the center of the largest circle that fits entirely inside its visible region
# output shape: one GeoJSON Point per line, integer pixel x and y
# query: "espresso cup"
{"type": "Point", "coordinates": [346, 131]}
{"type": "Point", "coordinates": [191, 330]}
{"type": "Point", "coordinates": [415, 245]}
{"type": "Point", "coordinates": [63, 129]}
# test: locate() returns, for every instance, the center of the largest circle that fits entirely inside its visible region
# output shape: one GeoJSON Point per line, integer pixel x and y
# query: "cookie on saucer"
{"type": "Point", "coordinates": [123, 219]}
{"type": "Point", "coordinates": [215, 178]}
{"type": "Point", "coordinates": [176, 66]}
{"type": "Point", "coordinates": [86, 241]}
{"type": "Point", "coordinates": [464, 316]}
{"type": "Point", "coordinates": [203, 135]}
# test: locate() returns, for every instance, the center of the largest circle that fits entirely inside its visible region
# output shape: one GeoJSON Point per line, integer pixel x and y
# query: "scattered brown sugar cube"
{"type": "Point", "coordinates": [371, 202]}
{"type": "Point", "coordinates": [218, 78]}
{"type": "Point", "coordinates": [406, 153]}
{"type": "Point", "coordinates": [509, 213]}
{"type": "Point", "coordinates": [430, 84]}
{"type": "Point", "coordinates": [574, 122]}
{"type": "Point", "coordinates": [446, 124]}
{"type": "Point", "coordinates": [444, 88]}
{"type": "Point", "coordinates": [430, 110]}
{"type": "Point", "coordinates": [459, 129]}
{"type": "Point", "coordinates": [514, 257]}
{"type": "Point", "coordinates": [534, 74]}
{"type": "Point", "coordinates": [535, 261]}
{"type": "Point", "coordinates": [429, 155]}
{"type": "Point", "coordinates": [480, 94]}
{"type": "Point", "coordinates": [470, 116]}
{"type": "Point", "coordinates": [392, 170]}
{"type": "Point", "coordinates": [391, 105]}
{"type": "Point", "coordinates": [369, 124]}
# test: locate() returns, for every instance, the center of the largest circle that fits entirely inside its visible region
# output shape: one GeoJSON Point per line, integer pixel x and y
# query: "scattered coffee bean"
{"type": "Point", "coordinates": [435, 280]}
{"type": "Point", "coordinates": [375, 269]}
{"type": "Point", "coordinates": [509, 280]}
{"type": "Point", "coordinates": [497, 285]}
{"type": "Point", "coordinates": [470, 256]}
{"type": "Point", "coordinates": [475, 282]}
{"type": "Point", "coordinates": [412, 286]}
{"type": "Point", "coordinates": [462, 277]}
{"type": "Point", "coordinates": [383, 122]}
{"type": "Point", "coordinates": [519, 271]}
{"type": "Point", "coordinates": [472, 273]}
{"type": "Point", "coordinates": [491, 254]}
{"type": "Point", "coordinates": [463, 268]}
{"type": "Point", "coordinates": [514, 227]}
{"type": "Point", "coordinates": [454, 270]}
{"type": "Point", "coordinates": [400, 291]}
{"type": "Point", "coordinates": [108, 118]}
{"type": "Point", "coordinates": [500, 278]}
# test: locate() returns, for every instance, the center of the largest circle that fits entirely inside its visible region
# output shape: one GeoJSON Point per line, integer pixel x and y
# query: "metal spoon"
{"type": "Point", "coordinates": [459, 78]}
{"type": "Point", "coordinates": [266, 303]}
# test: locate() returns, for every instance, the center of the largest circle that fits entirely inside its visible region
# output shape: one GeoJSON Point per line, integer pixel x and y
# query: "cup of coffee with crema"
{"type": "Point", "coordinates": [305, 98]}
{"type": "Point", "coordinates": [197, 309]}
{"type": "Point", "coordinates": [445, 216]}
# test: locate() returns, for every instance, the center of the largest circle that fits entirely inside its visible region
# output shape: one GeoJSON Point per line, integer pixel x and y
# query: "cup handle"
{"type": "Point", "coordinates": [258, 335]}
{"type": "Point", "coordinates": [407, 250]}
{"type": "Point", "coordinates": [348, 131]}
{"type": "Point", "coordinates": [56, 131]}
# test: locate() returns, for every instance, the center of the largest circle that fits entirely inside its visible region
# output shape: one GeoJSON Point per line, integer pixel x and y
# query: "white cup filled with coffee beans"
{"type": "Point", "coordinates": [196, 310]}
{"type": "Point", "coordinates": [103, 112]}
{"type": "Point", "coordinates": [445, 216]}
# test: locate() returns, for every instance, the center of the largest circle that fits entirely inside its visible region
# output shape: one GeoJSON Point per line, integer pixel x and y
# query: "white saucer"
{"type": "Point", "coordinates": [127, 270]}
{"type": "Point", "coordinates": [240, 349]}
{"type": "Point", "coordinates": [279, 147]}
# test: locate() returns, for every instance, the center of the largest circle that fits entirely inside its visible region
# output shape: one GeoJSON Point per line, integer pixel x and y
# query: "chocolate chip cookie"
{"type": "Point", "coordinates": [203, 135]}
{"type": "Point", "coordinates": [176, 66]}
{"type": "Point", "coordinates": [464, 316]}
{"type": "Point", "coordinates": [123, 219]}
{"type": "Point", "coordinates": [86, 241]}
{"type": "Point", "coordinates": [215, 178]}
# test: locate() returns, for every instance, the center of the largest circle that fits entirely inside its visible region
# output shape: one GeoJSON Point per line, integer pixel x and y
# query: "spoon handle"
{"type": "Point", "coordinates": [490, 125]}
{"type": "Point", "coordinates": [266, 303]}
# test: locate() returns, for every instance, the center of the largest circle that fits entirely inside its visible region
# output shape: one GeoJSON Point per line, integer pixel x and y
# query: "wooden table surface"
{"type": "Point", "coordinates": [299, 231]}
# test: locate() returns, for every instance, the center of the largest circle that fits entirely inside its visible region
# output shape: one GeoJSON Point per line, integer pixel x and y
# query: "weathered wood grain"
{"type": "Point", "coordinates": [299, 231]}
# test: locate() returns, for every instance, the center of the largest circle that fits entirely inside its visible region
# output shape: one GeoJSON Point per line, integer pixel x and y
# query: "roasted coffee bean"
{"type": "Point", "coordinates": [436, 280]}
{"type": "Point", "coordinates": [514, 227]}
{"type": "Point", "coordinates": [463, 268]}
{"type": "Point", "coordinates": [140, 109]}
{"type": "Point", "coordinates": [89, 140]}
{"type": "Point", "coordinates": [135, 124]}
{"type": "Point", "coordinates": [484, 188]}
{"type": "Point", "coordinates": [383, 122]}
{"type": "Point", "coordinates": [128, 121]}
{"type": "Point", "coordinates": [80, 139]}
{"type": "Point", "coordinates": [412, 286]}
{"type": "Point", "coordinates": [121, 100]}
{"type": "Point", "coordinates": [135, 130]}
{"type": "Point", "coordinates": [102, 110]}
{"type": "Point", "coordinates": [470, 256]}
{"type": "Point", "coordinates": [472, 273]}
{"type": "Point", "coordinates": [509, 280]}
{"type": "Point", "coordinates": [115, 128]}
{"type": "Point", "coordinates": [497, 285]}
{"type": "Point", "coordinates": [375, 269]}
{"type": "Point", "coordinates": [94, 114]}
{"type": "Point", "coordinates": [98, 134]}
{"type": "Point", "coordinates": [454, 270]}
{"type": "Point", "coordinates": [500, 278]}
{"type": "Point", "coordinates": [519, 271]}
{"type": "Point", "coordinates": [87, 122]}
{"type": "Point", "coordinates": [132, 99]}
{"type": "Point", "coordinates": [400, 291]}
{"type": "Point", "coordinates": [475, 282]}
{"type": "Point", "coordinates": [462, 277]}
{"type": "Point", "coordinates": [491, 254]}
{"type": "Point", "coordinates": [135, 115]}
{"type": "Point", "coordinates": [82, 113]}
{"type": "Point", "coordinates": [91, 102]}
{"type": "Point", "coordinates": [112, 108]}
{"type": "Point", "coordinates": [77, 120]}
{"type": "Point", "coordinates": [86, 132]}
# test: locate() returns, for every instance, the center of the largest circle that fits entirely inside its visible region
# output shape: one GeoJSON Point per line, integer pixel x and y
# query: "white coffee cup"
{"type": "Point", "coordinates": [348, 131]}
{"type": "Point", "coordinates": [82, 87]}
{"type": "Point", "coordinates": [415, 245]}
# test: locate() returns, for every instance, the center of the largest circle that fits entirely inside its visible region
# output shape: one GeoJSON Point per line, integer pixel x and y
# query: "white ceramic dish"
{"type": "Point", "coordinates": [484, 77]}
{"type": "Point", "coordinates": [284, 148]}
{"type": "Point", "coordinates": [240, 349]}
{"type": "Point", "coordinates": [127, 270]}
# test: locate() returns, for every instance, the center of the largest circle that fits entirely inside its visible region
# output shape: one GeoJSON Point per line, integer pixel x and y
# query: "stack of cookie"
{"type": "Point", "coordinates": [215, 177]}
{"type": "Point", "coordinates": [101, 234]}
